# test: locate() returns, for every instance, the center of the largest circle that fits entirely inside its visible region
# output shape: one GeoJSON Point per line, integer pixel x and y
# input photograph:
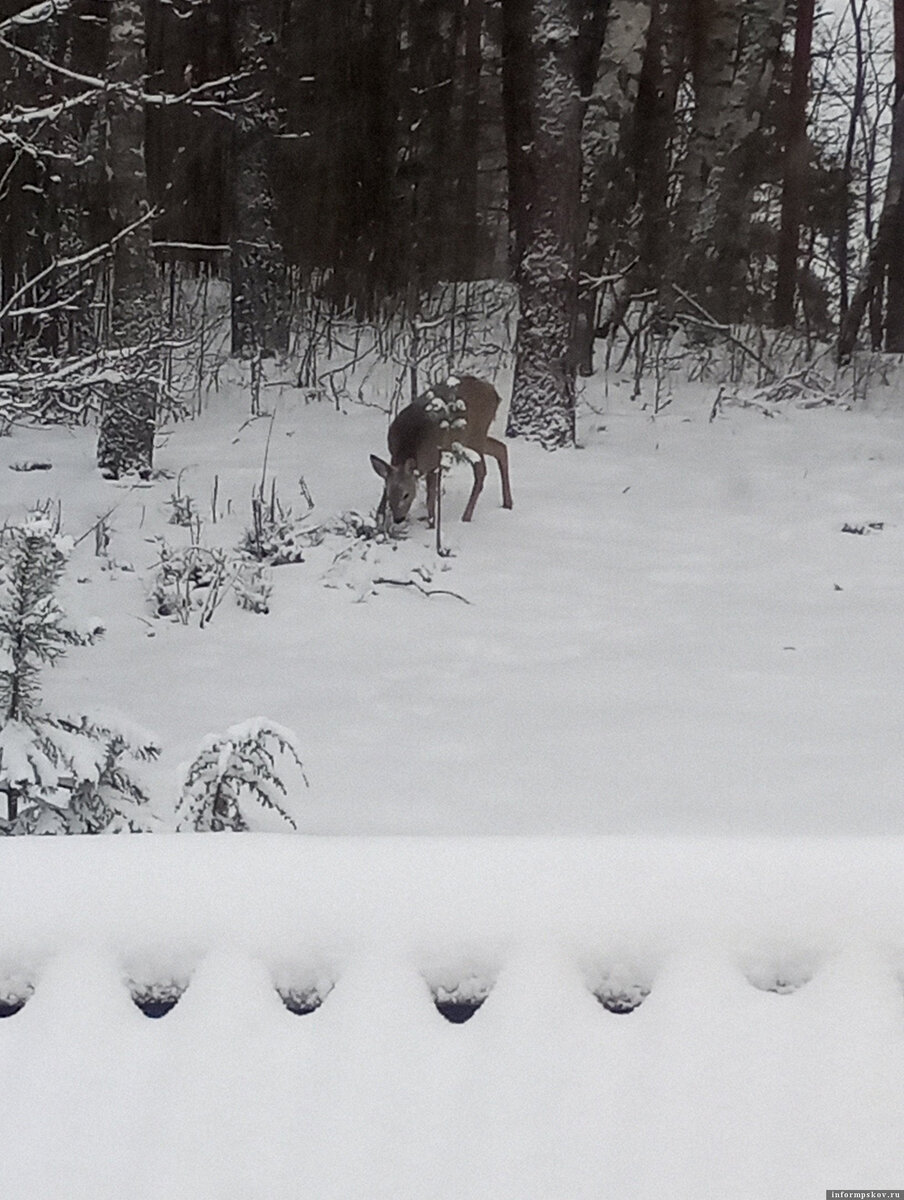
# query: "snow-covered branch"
{"type": "Point", "coordinates": [50, 112]}
{"type": "Point", "coordinates": [35, 15]}
{"type": "Point", "coordinates": [79, 261]}
{"type": "Point", "coordinates": [198, 96]}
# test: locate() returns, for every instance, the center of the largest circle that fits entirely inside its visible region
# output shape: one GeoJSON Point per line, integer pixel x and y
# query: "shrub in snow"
{"type": "Point", "coordinates": [192, 581]}
{"type": "Point", "coordinates": [59, 774]}
{"type": "Point", "coordinates": [183, 510]}
{"type": "Point", "coordinates": [275, 536]}
{"type": "Point", "coordinates": [253, 587]}
{"type": "Point", "coordinates": [232, 773]}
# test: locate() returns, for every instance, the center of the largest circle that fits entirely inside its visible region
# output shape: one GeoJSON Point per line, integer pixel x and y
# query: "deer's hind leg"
{"type": "Point", "coordinates": [499, 451]}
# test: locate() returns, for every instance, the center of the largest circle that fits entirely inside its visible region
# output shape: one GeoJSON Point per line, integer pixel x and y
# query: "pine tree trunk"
{"type": "Point", "coordinates": [795, 166]}
{"type": "Point", "coordinates": [128, 413]}
{"type": "Point", "coordinates": [260, 307]}
{"type": "Point", "coordinates": [544, 147]}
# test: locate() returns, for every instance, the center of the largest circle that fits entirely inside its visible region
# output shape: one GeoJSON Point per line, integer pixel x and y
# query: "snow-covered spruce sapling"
{"type": "Point", "coordinates": [98, 792]}
{"type": "Point", "coordinates": [232, 773]}
{"type": "Point", "coordinates": [58, 773]}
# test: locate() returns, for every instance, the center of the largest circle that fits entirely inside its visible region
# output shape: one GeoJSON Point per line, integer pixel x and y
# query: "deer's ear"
{"type": "Point", "coordinates": [382, 468]}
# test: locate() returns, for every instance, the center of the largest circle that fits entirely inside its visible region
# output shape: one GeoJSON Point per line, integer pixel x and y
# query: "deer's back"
{"type": "Point", "coordinates": [416, 432]}
{"type": "Point", "coordinates": [413, 435]}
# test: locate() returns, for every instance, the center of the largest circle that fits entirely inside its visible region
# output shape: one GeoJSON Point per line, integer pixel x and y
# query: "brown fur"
{"type": "Point", "coordinates": [415, 441]}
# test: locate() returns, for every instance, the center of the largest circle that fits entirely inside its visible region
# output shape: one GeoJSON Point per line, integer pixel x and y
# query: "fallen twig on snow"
{"type": "Point", "coordinates": [425, 591]}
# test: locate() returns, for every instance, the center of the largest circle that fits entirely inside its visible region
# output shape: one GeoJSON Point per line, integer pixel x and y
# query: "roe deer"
{"type": "Point", "coordinates": [416, 438]}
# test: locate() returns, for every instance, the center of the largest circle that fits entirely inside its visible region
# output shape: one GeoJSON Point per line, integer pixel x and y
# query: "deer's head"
{"type": "Point", "coordinates": [399, 486]}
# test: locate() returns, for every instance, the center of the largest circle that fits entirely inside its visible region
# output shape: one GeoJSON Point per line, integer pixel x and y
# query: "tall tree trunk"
{"type": "Point", "coordinates": [653, 136]}
{"type": "Point", "coordinates": [894, 292]}
{"type": "Point", "coordinates": [608, 185]}
{"type": "Point", "coordinates": [425, 175]}
{"type": "Point", "coordinates": [128, 414]}
{"type": "Point", "coordinates": [888, 231]}
{"type": "Point", "coordinates": [857, 10]}
{"type": "Point", "coordinates": [260, 311]}
{"type": "Point", "coordinates": [795, 166]}
{"type": "Point", "coordinates": [544, 110]}
{"type": "Point", "coordinates": [467, 218]}
{"type": "Point", "coordinates": [733, 56]}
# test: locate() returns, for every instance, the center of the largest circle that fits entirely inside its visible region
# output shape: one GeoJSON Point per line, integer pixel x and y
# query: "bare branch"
{"type": "Point", "coordinates": [79, 260]}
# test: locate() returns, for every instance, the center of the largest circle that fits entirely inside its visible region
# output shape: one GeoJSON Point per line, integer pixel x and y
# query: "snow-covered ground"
{"type": "Point", "coordinates": [668, 633]}
{"type": "Point", "coordinates": [669, 650]}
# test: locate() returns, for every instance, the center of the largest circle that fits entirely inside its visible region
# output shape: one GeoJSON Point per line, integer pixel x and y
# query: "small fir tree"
{"type": "Point", "coordinates": [229, 771]}
{"type": "Point", "coordinates": [59, 774]}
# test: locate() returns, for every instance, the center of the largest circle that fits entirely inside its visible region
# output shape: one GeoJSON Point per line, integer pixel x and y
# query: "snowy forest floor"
{"type": "Point", "coordinates": [684, 626]}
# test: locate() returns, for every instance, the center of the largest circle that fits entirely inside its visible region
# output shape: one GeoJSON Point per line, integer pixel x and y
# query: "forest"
{"type": "Point", "coordinates": [628, 166]}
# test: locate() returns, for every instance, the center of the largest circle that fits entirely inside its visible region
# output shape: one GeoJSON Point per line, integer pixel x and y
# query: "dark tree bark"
{"type": "Point", "coordinates": [733, 52]}
{"type": "Point", "coordinates": [260, 311]}
{"type": "Point", "coordinates": [187, 146]}
{"type": "Point", "coordinates": [795, 166]}
{"type": "Point", "coordinates": [129, 411]}
{"type": "Point", "coordinates": [857, 8]}
{"type": "Point", "coordinates": [888, 230]}
{"type": "Point", "coordinates": [894, 292]}
{"type": "Point", "coordinates": [653, 135]}
{"type": "Point", "coordinates": [426, 176]}
{"type": "Point", "coordinates": [467, 224]}
{"type": "Point", "coordinates": [544, 111]}
{"type": "Point", "coordinates": [610, 61]}
{"type": "Point", "coordinates": [517, 80]}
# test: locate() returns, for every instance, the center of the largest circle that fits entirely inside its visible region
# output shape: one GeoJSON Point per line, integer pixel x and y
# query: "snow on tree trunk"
{"type": "Point", "coordinates": [129, 410]}
{"type": "Point", "coordinates": [260, 308]}
{"type": "Point", "coordinates": [543, 135]}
